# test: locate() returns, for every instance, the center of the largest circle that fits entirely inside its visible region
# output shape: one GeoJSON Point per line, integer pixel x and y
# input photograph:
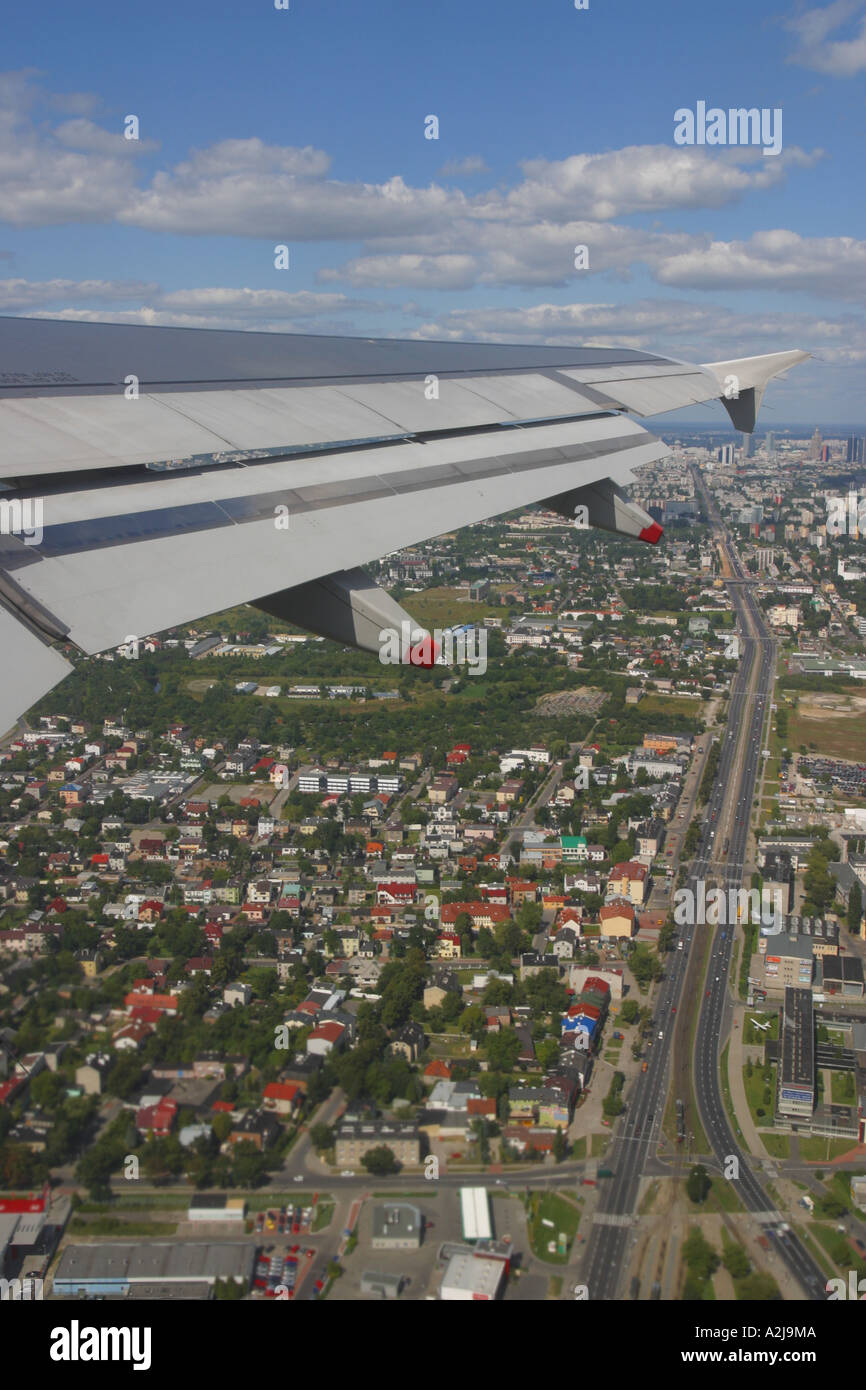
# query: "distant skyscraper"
{"type": "Point", "coordinates": [854, 452]}
{"type": "Point", "coordinates": [815, 446]}
{"type": "Point", "coordinates": [725, 454]}
{"type": "Point", "coordinates": [770, 443]}
{"type": "Point", "coordinates": [825, 453]}
{"type": "Point", "coordinates": [747, 446]}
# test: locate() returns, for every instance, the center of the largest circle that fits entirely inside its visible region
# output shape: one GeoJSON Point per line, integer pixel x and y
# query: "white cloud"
{"type": "Point", "coordinates": [82, 134]}
{"type": "Point", "coordinates": [445, 272]}
{"type": "Point", "coordinates": [837, 57]}
{"type": "Point", "coordinates": [692, 332]}
{"type": "Point", "coordinates": [219, 306]}
{"type": "Point", "coordinates": [81, 171]}
{"type": "Point", "coordinates": [17, 296]}
{"type": "Point", "coordinates": [777, 260]}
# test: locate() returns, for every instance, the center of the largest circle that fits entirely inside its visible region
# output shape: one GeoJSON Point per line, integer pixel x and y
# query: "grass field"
{"type": "Point", "coordinates": [323, 1217]}
{"type": "Point", "coordinates": [838, 1247]}
{"type": "Point", "coordinates": [565, 1216]}
{"type": "Point", "coordinates": [443, 608]}
{"type": "Point", "coordinates": [816, 1147]}
{"type": "Point", "coordinates": [833, 735]}
{"type": "Point", "coordinates": [777, 1145]}
{"type": "Point", "coordinates": [672, 704]}
{"type": "Point", "coordinates": [751, 1034]}
{"type": "Point", "coordinates": [756, 1093]}
{"type": "Point", "coordinates": [116, 1226]}
{"type": "Point", "coordinates": [721, 1197]}
{"type": "Point", "coordinates": [842, 1088]}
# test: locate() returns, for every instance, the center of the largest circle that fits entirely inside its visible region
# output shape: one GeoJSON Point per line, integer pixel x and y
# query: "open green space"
{"type": "Point", "coordinates": [777, 1145]}
{"type": "Point", "coordinates": [814, 1147]}
{"type": "Point", "coordinates": [838, 1247]}
{"type": "Point", "coordinates": [842, 1088]}
{"type": "Point", "coordinates": [722, 1196]}
{"type": "Point", "coordinates": [323, 1216]}
{"type": "Point", "coordinates": [758, 1036]}
{"type": "Point", "coordinates": [564, 1217]}
{"type": "Point", "coordinates": [840, 1186]}
{"type": "Point", "coordinates": [760, 1086]}
{"type": "Point", "coordinates": [81, 1225]}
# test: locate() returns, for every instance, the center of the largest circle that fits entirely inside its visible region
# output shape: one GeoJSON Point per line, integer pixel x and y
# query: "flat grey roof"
{"type": "Point", "coordinates": [157, 1262]}
{"type": "Point", "coordinates": [393, 1220]}
{"type": "Point", "coordinates": [797, 1039]}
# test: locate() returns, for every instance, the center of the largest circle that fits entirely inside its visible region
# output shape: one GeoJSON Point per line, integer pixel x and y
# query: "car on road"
{"type": "Point", "coordinates": [347, 1173]}
{"type": "Point", "coordinates": [299, 1177]}
{"type": "Point", "coordinates": [673, 1008]}
{"type": "Point", "coordinates": [661, 1035]}
{"type": "Point", "coordinates": [708, 994]}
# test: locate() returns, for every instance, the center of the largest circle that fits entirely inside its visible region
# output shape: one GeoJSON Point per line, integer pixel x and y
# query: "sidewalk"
{"type": "Point", "coordinates": [738, 1055]}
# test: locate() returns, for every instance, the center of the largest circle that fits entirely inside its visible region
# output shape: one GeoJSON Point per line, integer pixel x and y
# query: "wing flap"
{"type": "Point", "coordinates": [30, 668]}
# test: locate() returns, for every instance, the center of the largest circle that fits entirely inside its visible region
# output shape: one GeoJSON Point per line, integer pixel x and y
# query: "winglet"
{"type": "Point", "coordinates": [743, 379]}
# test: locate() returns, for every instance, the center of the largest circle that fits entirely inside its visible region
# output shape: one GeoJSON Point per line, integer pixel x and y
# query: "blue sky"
{"type": "Point", "coordinates": [556, 128]}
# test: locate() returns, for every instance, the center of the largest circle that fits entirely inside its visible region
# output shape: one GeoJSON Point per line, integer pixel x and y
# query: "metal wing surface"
{"type": "Point", "coordinates": [151, 476]}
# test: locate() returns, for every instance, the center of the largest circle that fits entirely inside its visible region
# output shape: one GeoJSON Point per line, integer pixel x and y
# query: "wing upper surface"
{"type": "Point", "coordinates": [179, 472]}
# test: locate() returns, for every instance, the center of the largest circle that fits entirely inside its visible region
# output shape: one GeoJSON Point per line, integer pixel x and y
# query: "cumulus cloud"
{"type": "Point", "coordinates": [215, 307]}
{"type": "Point", "coordinates": [816, 49]}
{"type": "Point", "coordinates": [81, 171]}
{"type": "Point", "coordinates": [72, 173]}
{"type": "Point", "coordinates": [692, 332]}
{"type": "Point", "coordinates": [85, 135]}
{"type": "Point", "coordinates": [17, 296]}
{"type": "Point", "coordinates": [779, 260]}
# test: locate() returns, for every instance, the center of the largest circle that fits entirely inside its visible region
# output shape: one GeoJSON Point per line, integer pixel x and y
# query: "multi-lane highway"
{"type": "Point", "coordinates": [724, 840]}
{"type": "Point", "coordinates": [744, 742]}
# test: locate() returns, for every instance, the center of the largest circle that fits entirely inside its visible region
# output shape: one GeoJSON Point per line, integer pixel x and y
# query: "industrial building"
{"type": "Point", "coordinates": [789, 957]}
{"type": "Point", "coordinates": [397, 1226]}
{"type": "Point", "coordinates": [796, 1085]}
{"type": "Point", "coordinates": [475, 1214]}
{"type": "Point", "coordinates": [843, 975]}
{"type": "Point", "coordinates": [382, 1285]}
{"type": "Point", "coordinates": [152, 1269]}
{"type": "Point", "coordinates": [470, 1277]}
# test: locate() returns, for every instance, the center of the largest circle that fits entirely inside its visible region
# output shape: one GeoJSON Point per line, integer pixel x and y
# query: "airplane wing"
{"type": "Point", "coordinates": [151, 476]}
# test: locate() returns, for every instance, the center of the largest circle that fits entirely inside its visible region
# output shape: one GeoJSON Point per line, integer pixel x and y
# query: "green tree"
{"type": "Point", "coordinates": [321, 1137]}
{"type": "Point", "coordinates": [380, 1161]}
{"type": "Point", "coordinates": [698, 1184]}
